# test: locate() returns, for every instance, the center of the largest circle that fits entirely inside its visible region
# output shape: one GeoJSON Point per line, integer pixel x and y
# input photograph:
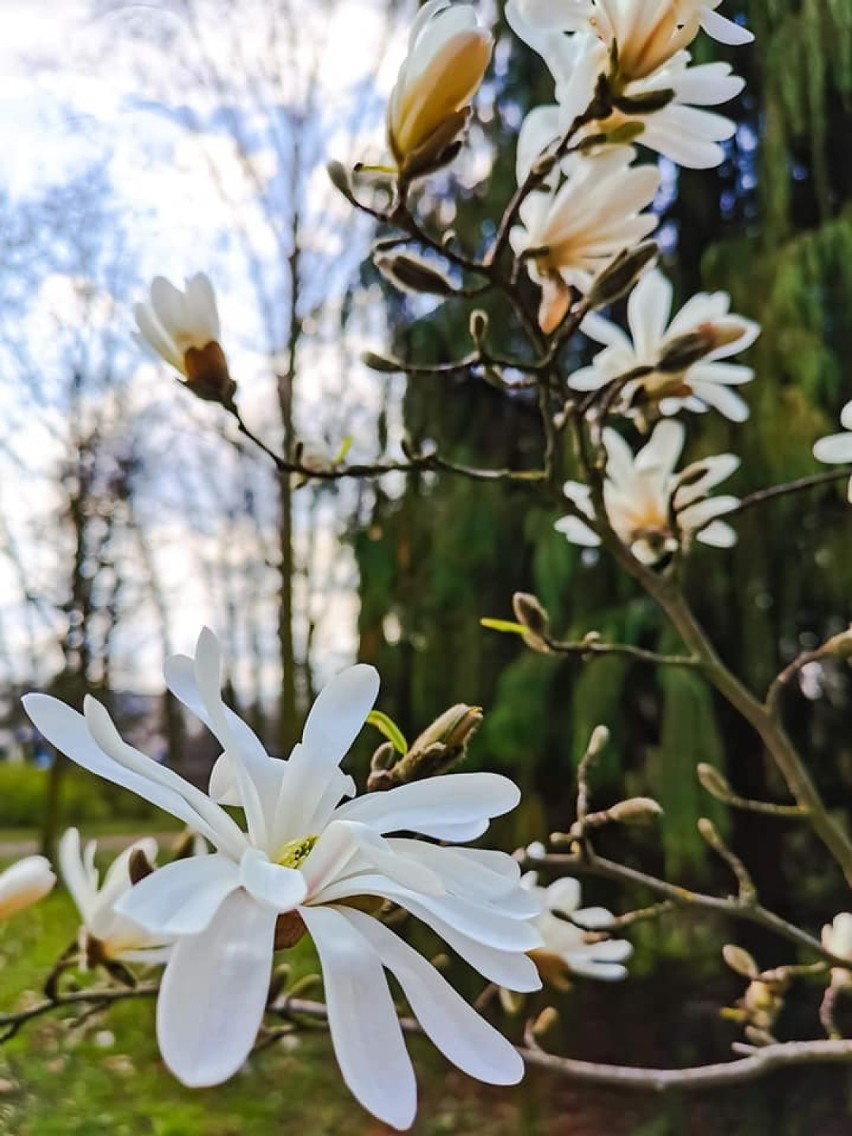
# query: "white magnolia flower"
{"type": "Point", "coordinates": [836, 449]}
{"type": "Point", "coordinates": [448, 54]}
{"type": "Point", "coordinates": [298, 866]}
{"type": "Point", "coordinates": [837, 938]}
{"type": "Point", "coordinates": [716, 25]}
{"type": "Point", "coordinates": [24, 883]}
{"type": "Point", "coordinates": [573, 233]}
{"type": "Point", "coordinates": [654, 20]}
{"type": "Point", "coordinates": [107, 936]}
{"type": "Point", "coordinates": [663, 109]}
{"type": "Point", "coordinates": [183, 329]}
{"type": "Point", "coordinates": [652, 509]}
{"type": "Point", "coordinates": [567, 946]}
{"type": "Point", "coordinates": [703, 327]}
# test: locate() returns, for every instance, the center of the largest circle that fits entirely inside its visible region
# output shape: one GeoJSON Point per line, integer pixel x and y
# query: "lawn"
{"type": "Point", "coordinates": [107, 1077]}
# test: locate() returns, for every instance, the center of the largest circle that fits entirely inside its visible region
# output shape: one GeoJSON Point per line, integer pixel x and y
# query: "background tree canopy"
{"type": "Point", "coordinates": [773, 226]}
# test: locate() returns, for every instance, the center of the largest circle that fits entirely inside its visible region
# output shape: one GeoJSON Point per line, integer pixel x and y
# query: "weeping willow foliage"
{"type": "Point", "coordinates": [774, 227]}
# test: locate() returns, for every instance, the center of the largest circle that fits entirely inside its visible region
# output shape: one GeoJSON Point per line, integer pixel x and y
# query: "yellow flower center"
{"type": "Point", "coordinates": [291, 854]}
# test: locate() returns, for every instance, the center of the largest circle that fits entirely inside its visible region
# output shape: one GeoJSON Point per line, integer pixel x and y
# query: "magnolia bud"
{"type": "Point", "coordinates": [546, 1022]}
{"type": "Point", "coordinates": [740, 961]}
{"type": "Point", "coordinates": [339, 178]}
{"type": "Point", "coordinates": [646, 103]}
{"type": "Point", "coordinates": [686, 350]}
{"type": "Point", "coordinates": [531, 614]}
{"type": "Point", "coordinates": [478, 325]}
{"type": "Point", "coordinates": [619, 277]}
{"type": "Point", "coordinates": [384, 364]}
{"type": "Point", "coordinates": [384, 757]}
{"type": "Point", "coordinates": [838, 646]}
{"type": "Point", "coordinates": [599, 738]}
{"type": "Point", "coordinates": [452, 729]}
{"type": "Point", "coordinates": [410, 274]}
{"type": "Point", "coordinates": [207, 374]}
{"type": "Point", "coordinates": [714, 782]}
{"type": "Point", "coordinates": [636, 812]}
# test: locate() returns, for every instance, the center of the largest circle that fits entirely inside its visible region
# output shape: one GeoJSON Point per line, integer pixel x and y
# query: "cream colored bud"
{"type": "Point", "coordinates": [600, 738]}
{"type": "Point", "coordinates": [447, 59]}
{"type": "Point", "coordinates": [637, 811]}
{"type": "Point", "coordinates": [411, 274]}
{"type": "Point", "coordinates": [24, 883]}
{"type": "Point", "coordinates": [546, 1022]}
{"type": "Point", "coordinates": [740, 961]}
{"type": "Point", "coordinates": [452, 729]}
{"type": "Point", "coordinates": [529, 611]}
{"type": "Point", "coordinates": [619, 277]}
{"type": "Point", "coordinates": [714, 782]}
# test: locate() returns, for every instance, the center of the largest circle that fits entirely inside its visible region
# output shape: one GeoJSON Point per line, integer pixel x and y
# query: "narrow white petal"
{"type": "Point", "coordinates": [365, 1030]}
{"type": "Point", "coordinates": [273, 885]}
{"type": "Point", "coordinates": [718, 534]}
{"type": "Point", "coordinates": [181, 898]}
{"type": "Point", "coordinates": [428, 806]}
{"type": "Point", "coordinates": [448, 1021]}
{"type": "Point", "coordinates": [68, 731]}
{"type": "Point", "coordinates": [836, 449]}
{"type": "Point", "coordinates": [214, 992]}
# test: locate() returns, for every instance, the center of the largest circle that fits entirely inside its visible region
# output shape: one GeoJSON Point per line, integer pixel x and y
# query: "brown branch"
{"type": "Point", "coordinates": [761, 496]}
{"type": "Point", "coordinates": [589, 863]}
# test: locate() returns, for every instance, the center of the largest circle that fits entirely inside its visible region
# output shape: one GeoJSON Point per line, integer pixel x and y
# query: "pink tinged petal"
{"type": "Point", "coordinates": [214, 992]}
{"type": "Point", "coordinates": [279, 888]}
{"type": "Point", "coordinates": [365, 1030]}
{"type": "Point", "coordinates": [428, 807]}
{"type": "Point", "coordinates": [835, 449]}
{"type": "Point", "coordinates": [68, 731]}
{"type": "Point", "coordinates": [448, 1021]}
{"type": "Point", "coordinates": [183, 897]}
{"type": "Point", "coordinates": [724, 30]}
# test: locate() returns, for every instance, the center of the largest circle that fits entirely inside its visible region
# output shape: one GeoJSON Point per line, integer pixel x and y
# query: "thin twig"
{"type": "Point", "coordinates": [761, 496]}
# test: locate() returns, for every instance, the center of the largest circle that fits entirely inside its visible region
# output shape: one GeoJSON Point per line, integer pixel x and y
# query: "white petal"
{"type": "Point", "coordinates": [181, 898]}
{"type": "Point", "coordinates": [574, 530]}
{"type": "Point", "coordinates": [836, 449]}
{"type": "Point", "coordinates": [563, 895]}
{"type": "Point", "coordinates": [718, 534]}
{"type": "Point", "coordinates": [724, 30]}
{"type": "Point", "coordinates": [68, 731]}
{"type": "Point", "coordinates": [79, 882]}
{"type": "Point", "coordinates": [365, 1030]}
{"type": "Point", "coordinates": [339, 713]}
{"type": "Point", "coordinates": [214, 992]}
{"type": "Point", "coordinates": [429, 806]}
{"type": "Point", "coordinates": [279, 888]}
{"type": "Point", "coordinates": [448, 1021]}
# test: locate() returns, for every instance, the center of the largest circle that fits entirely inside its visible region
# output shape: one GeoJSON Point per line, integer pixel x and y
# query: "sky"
{"type": "Point", "coordinates": [81, 87]}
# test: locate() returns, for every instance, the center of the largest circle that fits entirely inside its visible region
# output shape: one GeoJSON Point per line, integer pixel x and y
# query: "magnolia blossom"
{"type": "Point", "coordinates": [656, 21]}
{"type": "Point", "coordinates": [837, 938]}
{"type": "Point", "coordinates": [572, 233]}
{"type": "Point", "coordinates": [106, 936]}
{"type": "Point", "coordinates": [563, 925]}
{"type": "Point", "coordinates": [716, 25]}
{"type": "Point", "coordinates": [448, 54]}
{"type": "Point", "coordinates": [183, 328]}
{"type": "Point", "coordinates": [836, 449]}
{"type": "Point", "coordinates": [652, 509]}
{"type": "Point", "coordinates": [24, 883]}
{"type": "Point", "coordinates": [306, 862]}
{"type": "Point", "coordinates": [663, 108]}
{"type": "Point", "coordinates": [702, 333]}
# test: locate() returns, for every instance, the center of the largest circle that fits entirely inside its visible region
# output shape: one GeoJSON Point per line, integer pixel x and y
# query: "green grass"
{"type": "Point", "coordinates": [58, 1080]}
